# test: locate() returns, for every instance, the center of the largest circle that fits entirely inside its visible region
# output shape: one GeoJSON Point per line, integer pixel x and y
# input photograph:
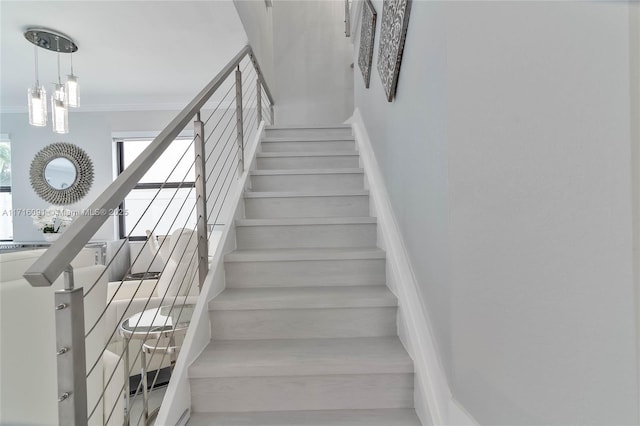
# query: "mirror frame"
{"type": "Point", "coordinates": [74, 192]}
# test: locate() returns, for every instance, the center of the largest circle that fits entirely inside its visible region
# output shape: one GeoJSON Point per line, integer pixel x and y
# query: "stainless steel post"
{"type": "Point", "coordinates": [239, 121]}
{"type": "Point", "coordinates": [201, 204]}
{"type": "Point", "coordinates": [259, 101]}
{"type": "Point", "coordinates": [71, 356]}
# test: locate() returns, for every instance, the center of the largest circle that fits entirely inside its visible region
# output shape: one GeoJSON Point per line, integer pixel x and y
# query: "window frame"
{"type": "Point", "coordinates": [7, 188]}
{"type": "Point", "coordinates": [122, 224]}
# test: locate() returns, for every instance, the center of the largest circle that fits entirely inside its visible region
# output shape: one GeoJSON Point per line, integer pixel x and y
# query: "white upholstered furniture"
{"type": "Point", "coordinates": [27, 338]}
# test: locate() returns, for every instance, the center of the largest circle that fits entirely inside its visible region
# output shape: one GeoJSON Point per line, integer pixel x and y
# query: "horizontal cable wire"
{"type": "Point", "coordinates": [146, 336]}
{"type": "Point", "coordinates": [136, 259]}
{"type": "Point", "coordinates": [115, 293]}
{"type": "Point", "coordinates": [164, 354]}
{"type": "Point", "coordinates": [141, 216]}
{"type": "Point", "coordinates": [249, 98]}
{"type": "Point", "coordinates": [144, 308]}
{"type": "Point", "coordinates": [231, 120]}
{"type": "Point", "coordinates": [127, 308]}
{"type": "Point", "coordinates": [190, 282]}
{"type": "Point", "coordinates": [219, 103]}
{"type": "Point", "coordinates": [215, 202]}
{"type": "Point", "coordinates": [220, 173]}
{"type": "Point", "coordinates": [138, 353]}
{"type": "Point", "coordinates": [224, 114]}
{"type": "Point", "coordinates": [186, 198]}
{"type": "Point", "coordinates": [251, 119]}
{"type": "Point", "coordinates": [226, 144]}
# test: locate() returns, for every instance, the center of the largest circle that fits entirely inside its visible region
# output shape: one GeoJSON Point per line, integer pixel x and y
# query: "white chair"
{"type": "Point", "coordinates": [28, 338]}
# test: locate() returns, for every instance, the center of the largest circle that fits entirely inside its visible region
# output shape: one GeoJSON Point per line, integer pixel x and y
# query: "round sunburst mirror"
{"type": "Point", "coordinates": [61, 173]}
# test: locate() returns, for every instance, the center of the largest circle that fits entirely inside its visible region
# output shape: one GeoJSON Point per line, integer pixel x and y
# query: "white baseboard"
{"type": "Point", "coordinates": [433, 399]}
{"type": "Point", "coordinates": [458, 416]}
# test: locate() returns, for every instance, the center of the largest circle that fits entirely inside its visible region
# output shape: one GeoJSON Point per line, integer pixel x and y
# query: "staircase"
{"type": "Point", "coordinates": [305, 331]}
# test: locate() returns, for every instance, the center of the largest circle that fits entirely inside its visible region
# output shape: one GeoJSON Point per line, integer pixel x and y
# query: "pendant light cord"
{"type": "Point", "coordinates": [58, 48]}
{"type": "Point", "coordinates": [35, 53]}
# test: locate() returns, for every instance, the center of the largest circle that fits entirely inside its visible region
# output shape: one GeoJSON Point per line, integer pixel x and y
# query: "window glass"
{"type": "Point", "coordinates": [6, 216]}
{"type": "Point", "coordinates": [149, 203]}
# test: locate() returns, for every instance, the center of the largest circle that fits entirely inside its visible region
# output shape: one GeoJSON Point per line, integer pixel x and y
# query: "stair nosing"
{"type": "Point", "coordinates": [293, 172]}
{"type": "Point", "coordinates": [295, 255]}
{"type": "Point", "coordinates": [303, 194]}
{"type": "Point", "coordinates": [295, 154]}
{"type": "Point", "coordinates": [310, 127]}
{"type": "Point", "coordinates": [303, 221]}
{"type": "Point", "coordinates": [334, 138]}
{"type": "Point", "coordinates": [303, 298]}
{"type": "Point", "coordinates": [400, 363]}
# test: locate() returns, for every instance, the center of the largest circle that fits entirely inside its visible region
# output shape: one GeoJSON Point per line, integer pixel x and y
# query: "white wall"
{"type": "Point", "coordinates": [506, 156]}
{"type": "Point", "coordinates": [409, 138]}
{"type": "Point", "coordinates": [257, 21]}
{"type": "Point", "coordinates": [91, 131]}
{"type": "Point", "coordinates": [312, 58]}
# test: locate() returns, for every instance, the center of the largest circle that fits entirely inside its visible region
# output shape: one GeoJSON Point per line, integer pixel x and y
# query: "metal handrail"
{"type": "Point", "coordinates": [56, 259]}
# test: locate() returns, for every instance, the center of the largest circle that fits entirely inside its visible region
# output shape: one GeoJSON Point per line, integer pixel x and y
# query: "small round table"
{"type": "Point", "coordinates": [160, 325]}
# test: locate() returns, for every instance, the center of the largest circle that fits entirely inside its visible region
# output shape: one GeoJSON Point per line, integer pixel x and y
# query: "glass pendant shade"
{"type": "Point", "coordinates": [73, 91]}
{"type": "Point", "coordinates": [59, 110]}
{"type": "Point", "coordinates": [37, 98]}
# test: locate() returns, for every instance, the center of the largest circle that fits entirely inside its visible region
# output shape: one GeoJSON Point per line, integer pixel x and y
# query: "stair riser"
{"type": "Point", "coordinates": [306, 236]}
{"type": "Point", "coordinates": [309, 146]}
{"type": "Point", "coordinates": [306, 133]}
{"type": "Point", "coordinates": [330, 206]}
{"type": "Point", "coordinates": [383, 417]}
{"type": "Point", "coordinates": [306, 273]}
{"type": "Point", "coordinates": [294, 393]}
{"type": "Point", "coordinates": [311, 162]}
{"type": "Point", "coordinates": [303, 323]}
{"type": "Point", "coordinates": [320, 182]}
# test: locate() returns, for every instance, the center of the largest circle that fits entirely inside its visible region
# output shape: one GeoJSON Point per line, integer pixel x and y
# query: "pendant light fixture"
{"type": "Point", "coordinates": [37, 99]}
{"type": "Point", "coordinates": [59, 108]}
{"type": "Point", "coordinates": [64, 95]}
{"type": "Point", "coordinates": [73, 88]}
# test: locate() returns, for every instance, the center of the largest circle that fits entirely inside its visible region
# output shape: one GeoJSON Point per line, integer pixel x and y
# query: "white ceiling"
{"type": "Point", "coordinates": [132, 54]}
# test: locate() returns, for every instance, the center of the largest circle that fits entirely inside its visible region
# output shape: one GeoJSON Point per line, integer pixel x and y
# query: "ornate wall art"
{"type": "Point", "coordinates": [61, 173]}
{"type": "Point", "coordinates": [367, 37]}
{"type": "Point", "coordinates": [395, 20]}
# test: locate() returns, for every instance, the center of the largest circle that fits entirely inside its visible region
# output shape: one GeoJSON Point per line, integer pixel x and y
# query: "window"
{"type": "Point", "coordinates": [170, 181]}
{"type": "Point", "coordinates": [6, 216]}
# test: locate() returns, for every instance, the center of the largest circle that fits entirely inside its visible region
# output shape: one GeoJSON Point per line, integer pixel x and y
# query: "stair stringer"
{"type": "Point", "coordinates": [176, 405]}
{"type": "Point", "coordinates": [433, 399]}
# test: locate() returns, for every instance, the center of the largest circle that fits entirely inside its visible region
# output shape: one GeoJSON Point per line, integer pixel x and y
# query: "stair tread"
{"type": "Point", "coordinates": [310, 126]}
{"type": "Point", "coordinates": [380, 417]}
{"type": "Point", "coordinates": [293, 221]}
{"type": "Point", "coordinates": [307, 154]}
{"type": "Point", "coordinates": [267, 255]}
{"type": "Point", "coordinates": [272, 172]}
{"type": "Point", "coordinates": [327, 138]}
{"type": "Point", "coordinates": [304, 298]}
{"type": "Point", "coordinates": [302, 357]}
{"type": "Point", "coordinates": [291, 194]}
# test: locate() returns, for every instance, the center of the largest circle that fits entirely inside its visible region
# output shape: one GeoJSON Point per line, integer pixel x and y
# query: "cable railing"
{"type": "Point", "coordinates": [111, 360]}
